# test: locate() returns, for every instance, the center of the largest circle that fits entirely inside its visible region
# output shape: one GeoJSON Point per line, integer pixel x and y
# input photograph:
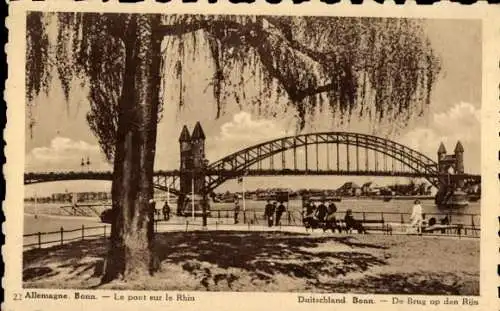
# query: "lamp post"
{"type": "Point", "coordinates": [204, 202]}
{"type": "Point", "coordinates": [192, 194]}
{"type": "Point", "coordinates": [86, 163]}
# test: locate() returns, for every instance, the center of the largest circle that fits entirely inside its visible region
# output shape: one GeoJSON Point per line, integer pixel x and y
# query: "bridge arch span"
{"type": "Point", "coordinates": [35, 178]}
{"type": "Point", "coordinates": [412, 162]}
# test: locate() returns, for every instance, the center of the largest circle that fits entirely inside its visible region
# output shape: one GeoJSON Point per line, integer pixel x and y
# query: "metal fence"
{"type": "Point", "coordinates": [460, 225]}
{"type": "Point", "coordinates": [61, 236]}
{"type": "Point", "coordinates": [465, 224]}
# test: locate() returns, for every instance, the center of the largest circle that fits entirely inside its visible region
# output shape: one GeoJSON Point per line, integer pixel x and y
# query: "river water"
{"type": "Point", "coordinates": [392, 211]}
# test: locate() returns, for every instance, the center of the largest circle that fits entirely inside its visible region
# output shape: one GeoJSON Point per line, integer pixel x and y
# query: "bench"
{"type": "Point", "coordinates": [445, 229]}
{"type": "Point", "coordinates": [377, 225]}
{"type": "Point", "coordinates": [368, 225]}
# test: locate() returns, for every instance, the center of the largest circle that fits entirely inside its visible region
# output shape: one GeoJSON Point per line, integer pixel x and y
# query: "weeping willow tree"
{"type": "Point", "coordinates": [384, 69]}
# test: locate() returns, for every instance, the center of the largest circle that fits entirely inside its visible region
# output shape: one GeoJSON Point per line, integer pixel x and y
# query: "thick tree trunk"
{"type": "Point", "coordinates": [130, 253]}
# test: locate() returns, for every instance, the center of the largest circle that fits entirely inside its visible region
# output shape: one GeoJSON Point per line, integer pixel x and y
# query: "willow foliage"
{"type": "Point", "coordinates": [379, 68]}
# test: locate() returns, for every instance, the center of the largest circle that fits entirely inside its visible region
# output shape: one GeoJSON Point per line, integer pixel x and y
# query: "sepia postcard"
{"type": "Point", "coordinates": [222, 157]}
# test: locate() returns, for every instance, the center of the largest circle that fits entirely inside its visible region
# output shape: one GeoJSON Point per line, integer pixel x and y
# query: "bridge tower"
{"type": "Point", "coordinates": [459, 163]}
{"type": "Point", "coordinates": [198, 155]}
{"type": "Point", "coordinates": [186, 160]}
{"type": "Point", "coordinates": [450, 191]}
{"type": "Point", "coordinates": [441, 156]}
{"type": "Point", "coordinates": [192, 160]}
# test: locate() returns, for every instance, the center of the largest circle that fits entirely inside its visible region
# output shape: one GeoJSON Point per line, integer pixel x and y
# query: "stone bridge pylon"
{"type": "Point", "coordinates": [192, 162]}
{"type": "Point", "coordinates": [450, 192]}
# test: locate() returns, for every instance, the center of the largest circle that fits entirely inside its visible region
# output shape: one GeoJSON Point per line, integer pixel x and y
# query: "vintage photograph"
{"type": "Point", "coordinates": [252, 153]}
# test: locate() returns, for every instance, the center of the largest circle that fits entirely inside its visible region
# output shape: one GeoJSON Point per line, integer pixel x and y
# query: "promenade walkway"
{"type": "Point", "coordinates": [181, 224]}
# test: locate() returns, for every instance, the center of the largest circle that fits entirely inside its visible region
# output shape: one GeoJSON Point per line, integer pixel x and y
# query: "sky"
{"type": "Point", "coordinates": [61, 135]}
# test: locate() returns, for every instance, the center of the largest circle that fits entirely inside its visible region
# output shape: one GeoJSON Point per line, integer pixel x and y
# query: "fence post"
{"type": "Point", "coordinates": [364, 217]}
{"type": "Point", "coordinates": [244, 217]}
{"type": "Point", "coordinates": [187, 224]}
{"type": "Point", "coordinates": [39, 239]}
{"type": "Point", "coordinates": [216, 225]}
{"type": "Point", "coordinates": [104, 227]}
{"type": "Point", "coordinates": [402, 219]}
{"type": "Point", "coordinates": [83, 232]}
{"type": "Point", "coordinates": [218, 214]}
{"type": "Point", "coordinates": [62, 238]}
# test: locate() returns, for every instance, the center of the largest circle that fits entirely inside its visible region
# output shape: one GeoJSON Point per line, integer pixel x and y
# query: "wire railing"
{"type": "Point", "coordinates": [460, 225]}
{"type": "Point", "coordinates": [62, 236]}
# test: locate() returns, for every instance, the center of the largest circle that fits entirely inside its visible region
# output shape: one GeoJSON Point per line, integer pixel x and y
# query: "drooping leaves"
{"type": "Point", "coordinates": [87, 54]}
{"type": "Point", "coordinates": [38, 63]}
{"type": "Point", "coordinates": [382, 69]}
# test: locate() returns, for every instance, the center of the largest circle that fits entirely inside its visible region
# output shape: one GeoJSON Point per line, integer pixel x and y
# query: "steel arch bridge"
{"type": "Point", "coordinates": [351, 153]}
{"type": "Point", "coordinates": [326, 153]}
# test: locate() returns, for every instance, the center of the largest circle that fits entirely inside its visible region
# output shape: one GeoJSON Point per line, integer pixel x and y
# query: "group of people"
{"type": "Point", "coordinates": [315, 215]}
{"type": "Point", "coordinates": [323, 215]}
{"type": "Point", "coordinates": [273, 212]}
{"type": "Point", "coordinates": [165, 209]}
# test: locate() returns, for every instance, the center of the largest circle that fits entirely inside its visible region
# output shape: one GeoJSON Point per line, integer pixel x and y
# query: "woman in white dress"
{"type": "Point", "coordinates": [417, 217]}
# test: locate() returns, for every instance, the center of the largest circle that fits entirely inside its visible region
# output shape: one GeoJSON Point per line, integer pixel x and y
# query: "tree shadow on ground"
{"type": "Point", "coordinates": [410, 283]}
{"type": "Point", "coordinates": [249, 261]}
{"type": "Point", "coordinates": [39, 264]}
{"type": "Point", "coordinates": [263, 255]}
{"type": "Point", "coordinates": [259, 254]}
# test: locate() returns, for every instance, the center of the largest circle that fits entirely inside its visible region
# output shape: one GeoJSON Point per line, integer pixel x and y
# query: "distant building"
{"type": "Point", "coordinates": [350, 189]}
{"type": "Point", "coordinates": [371, 188]}
{"type": "Point", "coordinates": [80, 196]}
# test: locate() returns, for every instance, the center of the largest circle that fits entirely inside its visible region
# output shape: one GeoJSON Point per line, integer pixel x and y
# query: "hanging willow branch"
{"type": "Point", "coordinates": [383, 68]}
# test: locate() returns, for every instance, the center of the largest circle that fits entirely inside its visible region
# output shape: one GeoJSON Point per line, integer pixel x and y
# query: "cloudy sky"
{"type": "Point", "coordinates": [61, 136]}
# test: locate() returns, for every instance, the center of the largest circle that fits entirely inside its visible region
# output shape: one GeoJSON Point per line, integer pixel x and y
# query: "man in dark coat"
{"type": "Point", "coordinates": [331, 221]}
{"type": "Point", "coordinates": [166, 211]}
{"type": "Point", "coordinates": [279, 212]}
{"type": "Point", "coordinates": [236, 210]}
{"type": "Point", "coordinates": [269, 213]}
{"type": "Point", "coordinates": [321, 212]}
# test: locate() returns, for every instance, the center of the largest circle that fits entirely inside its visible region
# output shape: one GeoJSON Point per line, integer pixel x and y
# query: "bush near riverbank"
{"type": "Point", "coordinates": [274, 261]}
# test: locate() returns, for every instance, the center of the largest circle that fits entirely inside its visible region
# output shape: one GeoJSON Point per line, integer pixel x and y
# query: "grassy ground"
{"type": "Point", "coordinates": [275, 261]}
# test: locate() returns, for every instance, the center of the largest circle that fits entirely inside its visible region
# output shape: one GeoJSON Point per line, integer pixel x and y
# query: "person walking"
{"type": "Point", "coordinates": [236, 210]}
{"type": "Point", "coordinates": [417, 217]}
{"type": "Point", "coordinates": [269, 213]}
{"type": "Point", "coordinates": [279, 212]}
{"type": "Point", "coordinates": [166, 211]}
{"type": "Point", "coordinates": [152, 210]}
